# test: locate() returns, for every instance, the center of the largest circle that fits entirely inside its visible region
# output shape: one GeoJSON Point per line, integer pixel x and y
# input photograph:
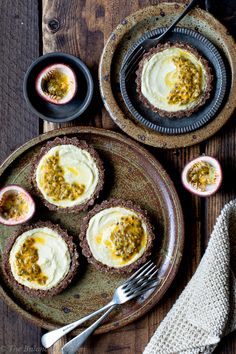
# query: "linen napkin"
{"type": "Point", "coordinates": [206, 309]}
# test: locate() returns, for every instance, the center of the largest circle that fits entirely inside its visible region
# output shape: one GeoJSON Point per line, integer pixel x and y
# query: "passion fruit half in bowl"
{"type": "Point", "coordinates": [16, 205]}
{"type": "Point", "coordinates": [56, 83]}
{"type": "Point", "coordinates": [202, 176]}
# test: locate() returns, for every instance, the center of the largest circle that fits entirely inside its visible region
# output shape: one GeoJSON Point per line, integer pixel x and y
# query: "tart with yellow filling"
{"type": "Point", "coordinates": [40, 260]}
{"type": "Point", "coordinates": [68, 175]}
{"type": "Point", "coordinates": [116, 236]}
{"type": "Point", "coordinates": [174, 80]}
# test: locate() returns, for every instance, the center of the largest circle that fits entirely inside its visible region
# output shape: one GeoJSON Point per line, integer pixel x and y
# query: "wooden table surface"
{"type": "Point", "coordinates": [80, 27]}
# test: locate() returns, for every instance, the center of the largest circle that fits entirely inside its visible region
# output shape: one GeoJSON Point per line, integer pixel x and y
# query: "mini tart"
{"type": "Point", "coordinates": [160, 78]}
{"type": "Point", "coordinates": [51, 272]}
{"type": "Point", "coordinates": [99, 231]}
{"type": "Point", "coordinates": [67, 175]}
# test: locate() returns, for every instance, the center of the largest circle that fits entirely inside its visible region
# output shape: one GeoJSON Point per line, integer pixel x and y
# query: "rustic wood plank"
{"type": "Point", "coordinates": [19, 46]}
{"type": "Point", "coordinates": [56, 348]}
{"type": "Point", "coordinates": [76, 27]}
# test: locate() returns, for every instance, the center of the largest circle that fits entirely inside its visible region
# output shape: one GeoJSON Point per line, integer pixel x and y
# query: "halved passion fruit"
{"type": "Point", "coordinates": [202, 176]}
{"type": "Point", "coordinates": [56, 84]}
{"type": "Point", "coordinates": [16, 205]}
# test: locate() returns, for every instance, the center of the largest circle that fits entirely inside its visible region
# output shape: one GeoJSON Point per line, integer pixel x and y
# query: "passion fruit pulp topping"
{"type": "Point", "coordinates": [189, 82]}
{"type": "Point", "coordinates": [55, 84]}
{"type": "Point", "coordinates": [26, 261]}
{"type": "Point", "coordinates": [14, 205]}
{"type": "Point", "coordinates": [128, 237]}
{"type": "Point", "coordinates": [54, 182]}
{"type": "Point", "coordinates": [201, 175]}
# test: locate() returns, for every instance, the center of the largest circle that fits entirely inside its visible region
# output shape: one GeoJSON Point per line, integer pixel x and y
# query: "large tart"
{"type": "Point", "coordinates": [174, 80]}
{"type": "Point", "coordinates": [68, 175]}
{"type": "Point", "coordinates": [40, 260]}
{"type": "Point", "coordinates": [116, 236]}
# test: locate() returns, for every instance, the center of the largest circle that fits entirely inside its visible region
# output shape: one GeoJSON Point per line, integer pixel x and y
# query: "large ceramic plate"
{"type": "Point", "coordinates": [205, 113]}
{"type": "Point", "coordinates": [126, 35]}
{"type": "Point", "coordinates": [131, 173]}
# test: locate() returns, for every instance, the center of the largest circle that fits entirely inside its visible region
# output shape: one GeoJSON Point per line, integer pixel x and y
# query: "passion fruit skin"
{"type": "Point", "coordinates": [211, 160]}
{"type": "Point", "coordinates": [46, 70]}
{"type": "Point", "coordinates": [15, 187]}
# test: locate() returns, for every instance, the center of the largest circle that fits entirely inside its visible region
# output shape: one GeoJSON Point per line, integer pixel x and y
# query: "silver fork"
{"type": "Point", "coordinates": [141, 281]}
{"type": "Point", "coordinates": [131, 62]}
{"type": "Point", "coordinates": [136, 285]}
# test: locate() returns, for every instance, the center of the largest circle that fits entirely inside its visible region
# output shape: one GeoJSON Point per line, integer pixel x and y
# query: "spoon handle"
{"type": "Point", "coordinates": [49, 338]}
{"type": "Point", "coordinates": [74, 344]}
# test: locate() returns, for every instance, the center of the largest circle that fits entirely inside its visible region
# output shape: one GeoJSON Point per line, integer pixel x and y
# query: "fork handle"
{"type": "Point", "coordinates": [48, 339]}
{"type": "Point", "coordinates": [74, 344]}
{"type": "Point", "coordinates": [190, 6]}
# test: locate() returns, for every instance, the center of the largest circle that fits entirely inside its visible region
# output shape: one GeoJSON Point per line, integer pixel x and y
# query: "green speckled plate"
{"type": "Point", "coordinates": [131, 173]}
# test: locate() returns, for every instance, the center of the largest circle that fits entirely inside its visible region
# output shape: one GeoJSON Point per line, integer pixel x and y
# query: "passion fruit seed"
{"type": "Point", "coordinates": [55, 84]}
{"type": "Point", "coordinates": [128, 237]}
{"type": "Point", "coordinates": [201, 174]}
{"type": "Point", "coordinates": [26, 261]}
{"type": "Point", "coordinates": [54, 182]}
{"type": "Point", "coordinates": [188, 87]}
{"type": "Point", "coordinates": [13, 205]}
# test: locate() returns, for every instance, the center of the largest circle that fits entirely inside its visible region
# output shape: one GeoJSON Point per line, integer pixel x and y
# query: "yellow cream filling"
{"type": "Point", "coordinates": [173, 80]}
{"type": "Point", "coordinates": [117, 236]}
{"type": "Point", "coordinates": [67, 175]}
{"type": "Point", "coordinates": [39, 258]}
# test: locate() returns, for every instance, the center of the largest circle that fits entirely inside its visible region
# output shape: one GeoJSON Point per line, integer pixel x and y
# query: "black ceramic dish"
{"type": "Point", "coordinates": [53, 112]}
{"type": "Point", "coordinates": [205, 113]}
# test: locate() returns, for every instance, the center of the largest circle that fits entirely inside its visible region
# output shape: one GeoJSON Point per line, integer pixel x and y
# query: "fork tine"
{"type": "Point", "coordinates": [131, 58]}
{"type": "Point", "coordinates": [142, 286]}
{"type": "Point", "coordinates": [134, 56]}
{"type": "Point", "coordinates": [152, 272]}
{"type": "Point", "coordinates": [141, 292]}
{"type": "Point", "coordinates": [139, 272]}
{"type": "Point", "coordinates": [145, 275]}
{"type": "Point", "coordinates": [139, 287]}
{"type": "Point", "coordinates": [132, 64]}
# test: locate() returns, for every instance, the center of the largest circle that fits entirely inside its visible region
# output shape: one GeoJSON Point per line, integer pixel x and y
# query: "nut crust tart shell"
{"type": "Point", "coordinates": [96, 161]}
{"type": "Point", "coordinates": [139, 213]}
{"type": "Point", "coordinates": [200, 100]}
{"type": "Point", "coordinates": [62, 284]}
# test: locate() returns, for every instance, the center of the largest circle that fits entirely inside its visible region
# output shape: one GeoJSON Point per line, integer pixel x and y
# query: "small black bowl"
{"type": "Point", "coordinates": [53, 112]}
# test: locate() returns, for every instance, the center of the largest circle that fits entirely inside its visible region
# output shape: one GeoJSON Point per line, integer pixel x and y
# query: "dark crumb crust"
{"type": "Point", "coordinates": [86, 249]}
{"type": "Point", "coordinates": [204, 97]}
{"type": "Point", "coordinates": [69, 276]}
{"type": "Point", "coordinates": [82, 145]}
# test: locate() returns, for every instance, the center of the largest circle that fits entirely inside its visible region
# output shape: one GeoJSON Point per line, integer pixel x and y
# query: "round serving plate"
{"type": "Point", "coordinates": [197, 119]}
{"type": "Point", "coordinates": [127, 33]}
{"type": "Point", "coordinates": [131, 173]}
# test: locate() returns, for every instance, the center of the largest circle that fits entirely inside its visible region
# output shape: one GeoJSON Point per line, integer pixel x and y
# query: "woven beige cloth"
{"type": "Point", "coordinates": [205, 311]}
